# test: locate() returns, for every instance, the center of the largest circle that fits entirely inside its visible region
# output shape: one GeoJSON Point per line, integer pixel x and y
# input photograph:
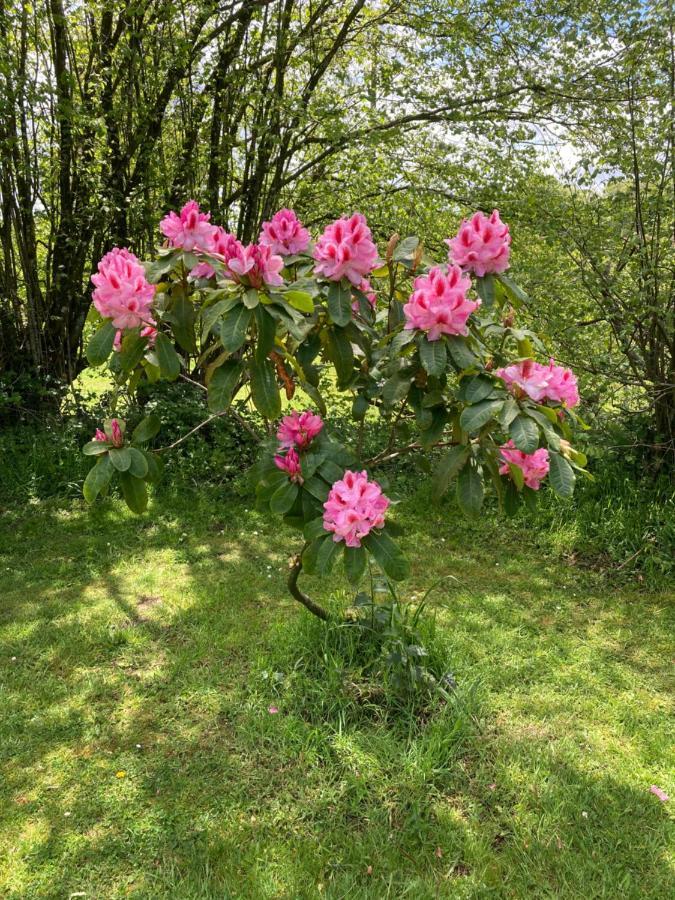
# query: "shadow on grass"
{"type": "Point", "coordinates": [140, 758]}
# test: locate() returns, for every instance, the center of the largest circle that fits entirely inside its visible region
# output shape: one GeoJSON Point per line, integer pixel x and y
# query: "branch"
{"type": "Point", "coordinates": [298, 594]}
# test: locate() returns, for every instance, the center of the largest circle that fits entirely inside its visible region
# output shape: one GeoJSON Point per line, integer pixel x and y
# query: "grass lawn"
{"type": "Point", "coordinates": [139, 758]}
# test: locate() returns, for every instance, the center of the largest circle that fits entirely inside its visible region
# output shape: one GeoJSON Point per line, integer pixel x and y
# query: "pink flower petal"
{"type": "Point", "coordinates": [663, 797]}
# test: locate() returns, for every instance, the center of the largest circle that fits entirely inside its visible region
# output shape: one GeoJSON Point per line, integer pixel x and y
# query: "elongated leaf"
{"type": "Point", "coordinates": [139, 464]}
{"type": "Point", "coordinates": [266, 332]}
{"type": "Point", "coordinates": [284, 497]}
{"type": "Point", "coordinates": [300, 300]}
{"type": "Point", "coordinates": [508, 413]}
{"type": "Point", "coordinates": [100, 344]}
{"type": "Point", "coordinates": [355, 563]}
{"type": "Point", "coordinates": [405, 249]}
{"type": "Point", "coordinates": [132, 352]}
{"type": "Point", "coordinates": [339, 303]}
{"type": "Point", "coordinates": [155, 467]}
{"type": "Point", "coordinates": [474, 417]}
{"type": "Point", "coordinates": [477, 388]}
{"type": "Point", "coordinates": [470, 490]}
{"type": "Point", "coordinates": [95, 448]}
{"type": "Point", "coordinates": [339, 350]}
{"type": "Point", "coordinates": [120, 458]}
{"type": "Point", "coordinates": [486, 290]}
{"type": "Point", "coordinates": [561, 475]}
{"type": "Point", "coordinates": [212, 314]}
{"type": "Point", "coordinates": [146, 429]}
{"type": "Point", "coordinates": [183, 322]}
{"type": "Point", "coordinates": [310, 553]}
{"type": "Point", "coordinates": [168, 359]}
{"type": "Point", "coordinates": [433, 356]}
{"type": "Point", "coordinates": [395, 389]}
{"type": "Point", "coordinates": [517, 294]}
{"type": "Point", "coordinates": [431, 435]}
{"type": "Point", "coordinates": [134, 492]}
{"type": "Point", "coordinates": [328, 553]}
{"type": "Point", "coordinates": [264, 389]}
{"type": "Point", "coordinates": [222, 385]}
{"type": "Point", "coordinates": [512, 499]}
{"type": "Point", "coordinates": [314, 529]}
{"type": "Point", "coordinates": [462, 355]}
{"type": "Point", "coordinates": [317, 487]}
{"type": "Point", "coordinates": [97, 478]}
{"type": "Point", "coordinates": [524, 434]}
{"type": "Point", "coordinates": [234, 326]}
{"type": "Point", "coordinates": [251, 298]}
{"type": "Point", "coordinates": [387, 555]}
{"type": "Point", "coordinates": [448, 468]}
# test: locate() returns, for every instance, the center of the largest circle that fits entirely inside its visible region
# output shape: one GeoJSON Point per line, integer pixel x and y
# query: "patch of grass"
{"type": "Point", "coordinates": [139, 757]}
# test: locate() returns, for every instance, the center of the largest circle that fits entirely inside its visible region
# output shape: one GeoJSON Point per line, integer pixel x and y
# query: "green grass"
{"type": "Point", "coordinates": [139, 758]}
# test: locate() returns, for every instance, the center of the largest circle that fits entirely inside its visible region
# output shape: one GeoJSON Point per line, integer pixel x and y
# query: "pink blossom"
{"type": "Point", "coordinates": [481, 245]}
{"type": "Point", "coordinates": [190, 229]}
{"type": "Point", "coordinates": [284, 234]}
{"type": "Point", "coordinates": [439, 304]}
{"type": "Point", "coordinates": [366, 288]}
{"type": "Point", "coordinates": [299, 429]}
{"type": "Point", "coordinates": [121, 290]}
{"type": "Point", "coordinates": [541, 383]}
{"type": "Point", "coordinates": [100, 436]}
{"type": "Point", "coordinates": [346, 250]}
{"type": "Point", "coordinates": [290, 464]}
{"type": "Point", "coordinates": [658, 792]}
{"type": "Point", "coordinates": [562, 386]}
{"type": "Point", "coordinates": [534, 466]}
{"type": "Point", "coordinates": [354, 507]}
{"type": "Point", "coordinates": [116, 432]}
{"type": "Point", "coordinates": [223, 246]}
{"type": "Point", "coordinates": [272, 710]}
{"type": "Point", "coordinates": [257, 264]}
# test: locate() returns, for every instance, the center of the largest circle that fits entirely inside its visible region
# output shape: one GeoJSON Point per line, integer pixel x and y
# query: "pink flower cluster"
{"type": "Point", "coordinates": [192, 230]}
{"type": "Point", "coordinates": [299, 429]}
{"type": "Point", "coordinates": [284, 234]}
{"type": "Point", "coordinates": [439, 304]}
{"type": "Point", "coordinates": [290, 463]}
{"type": "Point", "coordinates": [366, 288]}
{"type": "Point", "coordinates": [541, 383]}
{"type": "Point", "coordinates": [481, 245]}
{"type": "Point", "coordinates": [354, 507]}
{"type": "Point", "coordinates": [534, 466]}
{"type": "Point", "coordinates": [346, 250]}
{"type": "Point", "coordinates": [117, 435]}
{"type": "Point", "coordinates": [121, 291]}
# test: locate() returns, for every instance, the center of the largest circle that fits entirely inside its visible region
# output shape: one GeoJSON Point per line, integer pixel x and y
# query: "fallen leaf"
{"type": "Point", "coordinates": [438, 853]}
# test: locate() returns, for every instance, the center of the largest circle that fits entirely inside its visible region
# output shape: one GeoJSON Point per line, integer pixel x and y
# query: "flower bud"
{"type": "Point", "coordinates": [116, 432]}
{"type": "Point", "coordinates": [391, 246]}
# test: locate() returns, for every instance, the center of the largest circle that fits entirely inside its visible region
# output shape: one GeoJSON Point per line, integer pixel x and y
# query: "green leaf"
{"type": "Point", "coordinates": [448, 468]}
{"type": "Point", "coordinates": [339, 351]}
{"type": "Point", "coordinates": [387, 555]}
{"type": "Point", "coordinates": [405, 249]}
{"type": "Point", "coordinates": [264, 389]}
{"type": "Point", "coordinates": [477, 388]}
{"type": "Point", "coordinates": [310, 553]}
{"type": "Point", "coordinates": [395, 389]}
{"type": "Point", "coordinates": [485, 287]}
{"type": "Point", "coordinates": [328, 551]}
{"type": "Point", "coordinates": [120, 458]}
{"type": "Point", "coordinates": [512, 499]}
{"type": "Point", "coordinates": [462, 356]}
{"type": "Point", "coordinates": [266, 332]}
{"type": "Point", "coordinates": [211, 314]}
{"type": "Point", "coordinates": [168, 359]}
{"type": "Point", "coordinates": [234, 326]}
{"type": "Point", "coordinates": [517, 477]}
{"type": "Point", "coordinates": [155, 467]}
{"type": "Point", "coordinates": [284, 497]}
{"type": "Point", "coordinates": [516, 294]}
{"type": "Point", "coordinates": [317, 487]}
{"type": "Point", "coordinates": [95, 448]}
{"type": "Point", "coordinates": [300, 300]}
{"type": "Point", "coordinates": [524, 434]}
{"type": "Point", "coordinates": [561, 475]}
{"type": "Point", "coordinates": [433, 356]}
{"type": "Point", "coordinates": [222, 385]}
{"type": "Point", "coordinates": [132, 351]}
{"type": "Point", "coordinates": [97, 478]}
{"type": "Point", "coordinates": [100, 344]}
{"type": "Point", "coordinates": [134, 492]}
{"type": "Point", "coordinates": [146, 429]}
{"type": "Point", "coordinates": [314, 529]}
{"type": "Point", "coordinates": [139, 464]}
{"type": "Point", "coordinates": [360, 408]}
{"type": "Point", "coordinates": [251, 298]}
{"type": "Point", "coordinates": [431, 435]}
{"type": "Point", "coordinates": [355, 563]}
{"type": "Point", "coordinates": [474, 417]}
{"type": "Point", "coordinates": [470, 490]}
{"type": "Point", "coordinates": [508, 413]}
{"type": "Point", "coordinates": [183, 322]}
{"type": "Point", "coordinates": [339, 303]}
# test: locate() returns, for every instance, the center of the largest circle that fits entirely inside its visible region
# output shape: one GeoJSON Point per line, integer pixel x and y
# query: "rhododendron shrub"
{"type": "Point", "coordinates": [433, 348]}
